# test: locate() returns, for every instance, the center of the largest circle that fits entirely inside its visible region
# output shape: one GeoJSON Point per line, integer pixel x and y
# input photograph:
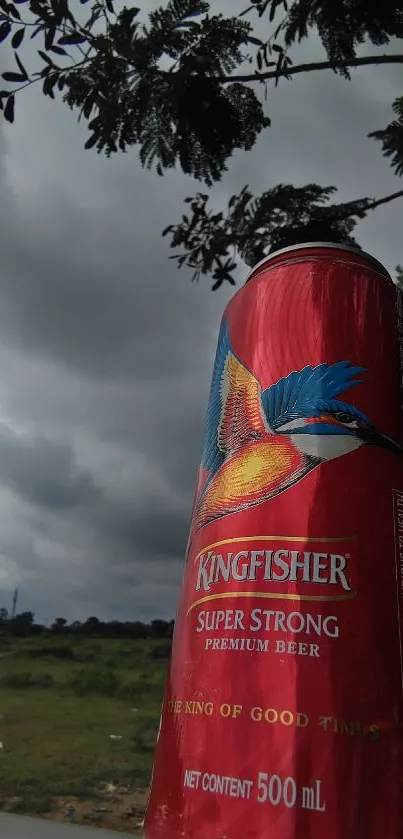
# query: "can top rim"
{"type": "Point", "coordinates": [330, 245]}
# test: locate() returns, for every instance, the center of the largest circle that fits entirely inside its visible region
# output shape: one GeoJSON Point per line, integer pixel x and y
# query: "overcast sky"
{"type": "Point", "coordinates": [106, 349]}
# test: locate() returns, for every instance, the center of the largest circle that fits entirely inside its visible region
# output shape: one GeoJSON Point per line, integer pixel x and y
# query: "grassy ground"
{"type": "Point", "coordinates": [60, 700]}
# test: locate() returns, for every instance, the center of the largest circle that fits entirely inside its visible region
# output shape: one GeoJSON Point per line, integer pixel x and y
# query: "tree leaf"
{"type": "Point", "coordinates": [38, 29]}
{"type": "Point", "coordinates": [91, 142]}
{"type": "Point", "coordinates": [74, 38]}
{"type": "Point", "coordinates": [13, 77]}
{"type": "Point", "coordinates": [259, 60]}
{"type": "Point", "coordinates": [5, 30]}
{"type": "Point", "coordinates": [263, 8]}
{"type": "Point", "coordinates": [276, 48]}
{"type": "Point", "coordinates": [45, 58]}
{"type": "Point", "coordinates": [9, 108]}
{"type": "Point", "coordinates": [58, 50]}
{"type": "Point", "coordinates": [109, 6]}
{"type": "Point", "coordinates": [13, 11]}
{"type": "Point", "coordinates": [94, 123]}
{"type": "Point", "coordinates": [21, 66]}
{"type": "Point", "coordinates": [217, 284]}
{"type": "Point", "coordinates": [88, 106]}
{"type": "Point", "coordinates": [49, 84]}
{"type": "Point", "coordinates": [49, 37]}
{"type": "Point", "coordinates": [18, 38]}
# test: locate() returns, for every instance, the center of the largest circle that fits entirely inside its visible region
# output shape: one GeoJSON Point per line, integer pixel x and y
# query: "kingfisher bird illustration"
{"type": "Point", "coordinates": [259, 443]}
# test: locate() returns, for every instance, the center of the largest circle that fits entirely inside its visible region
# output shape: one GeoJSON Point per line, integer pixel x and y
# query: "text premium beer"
{"type": "Point", "coordinates": [282, 717]}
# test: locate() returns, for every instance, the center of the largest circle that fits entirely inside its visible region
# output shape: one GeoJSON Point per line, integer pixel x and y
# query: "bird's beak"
{"type": "Point", "coordinates": [375, 438]}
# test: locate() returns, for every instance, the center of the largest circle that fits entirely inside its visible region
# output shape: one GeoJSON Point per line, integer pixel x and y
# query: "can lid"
{"type": "Point", "coordinates": [331, 245]}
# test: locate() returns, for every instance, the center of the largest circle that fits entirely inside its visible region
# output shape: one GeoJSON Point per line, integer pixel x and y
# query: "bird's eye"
{"type": "Point", "coordinates": [343, 416]}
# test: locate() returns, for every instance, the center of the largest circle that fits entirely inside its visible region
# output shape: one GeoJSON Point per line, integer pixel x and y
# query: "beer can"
{"type": "Point", "coordinates": [282, 716]}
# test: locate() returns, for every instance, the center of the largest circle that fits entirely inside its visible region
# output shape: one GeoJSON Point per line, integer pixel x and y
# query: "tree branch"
{"type": "Point", "coordinates": [319, 65]}
{"type": "Point", "coordinates": [374, 204]}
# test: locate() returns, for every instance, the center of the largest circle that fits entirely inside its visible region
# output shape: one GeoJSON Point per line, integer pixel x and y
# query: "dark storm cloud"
{"type": "Point", "coordinates": [104, 349]}
{"type": "Point", "coordinates": [43, 471]}
{"type": "Point", "coordinates": [150, 528]}
{"type": "Point", "coordinates": [95, 297]}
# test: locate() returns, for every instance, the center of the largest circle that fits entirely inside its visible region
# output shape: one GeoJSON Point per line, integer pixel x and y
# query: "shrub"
{"type": "Point", "coordinates": [84, 655]}
{"type": "Point", "coordinates": [136, 690]}
{"type": "Point", "coordinates": [130, 690]}
{"type": "Point", "coordinates": [31, 804]}
{"type": "Point", "coordinates": [94, 680]}
{"type": "Point", "coordinates": [144, 738]}
{"type": "Point", "coordinates": [62, 651]}
{"type": "Point", "coordinates": [28, 680]}
{"type": "Point", "coordinates": [160, 651]}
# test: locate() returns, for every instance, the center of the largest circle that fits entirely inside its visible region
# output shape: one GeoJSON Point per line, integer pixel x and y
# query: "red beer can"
{"type": "Point", "coordinates": [282, 716]}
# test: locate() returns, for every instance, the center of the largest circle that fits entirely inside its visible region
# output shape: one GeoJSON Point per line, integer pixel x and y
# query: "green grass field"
{"type": "Point", "coordinates": [60, 700]}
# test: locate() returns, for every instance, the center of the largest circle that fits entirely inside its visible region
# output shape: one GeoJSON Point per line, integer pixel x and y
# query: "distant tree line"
{"type": "Point", "coordinates": [23, 625]}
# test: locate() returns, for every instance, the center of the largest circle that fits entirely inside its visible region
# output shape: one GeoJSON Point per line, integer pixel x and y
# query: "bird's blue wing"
{"type": "Point", "coordinates": [212, 456]}
{"type": "Point", "coordinates": [291, 396]}
{"type": "Point", "coordinates": [234, 412]}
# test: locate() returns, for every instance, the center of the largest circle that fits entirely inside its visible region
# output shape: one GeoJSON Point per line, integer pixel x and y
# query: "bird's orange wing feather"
{"type": "Point", "coordinates": [256, 472]}
{"type": "Point", "coordinates": [242, 418]}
